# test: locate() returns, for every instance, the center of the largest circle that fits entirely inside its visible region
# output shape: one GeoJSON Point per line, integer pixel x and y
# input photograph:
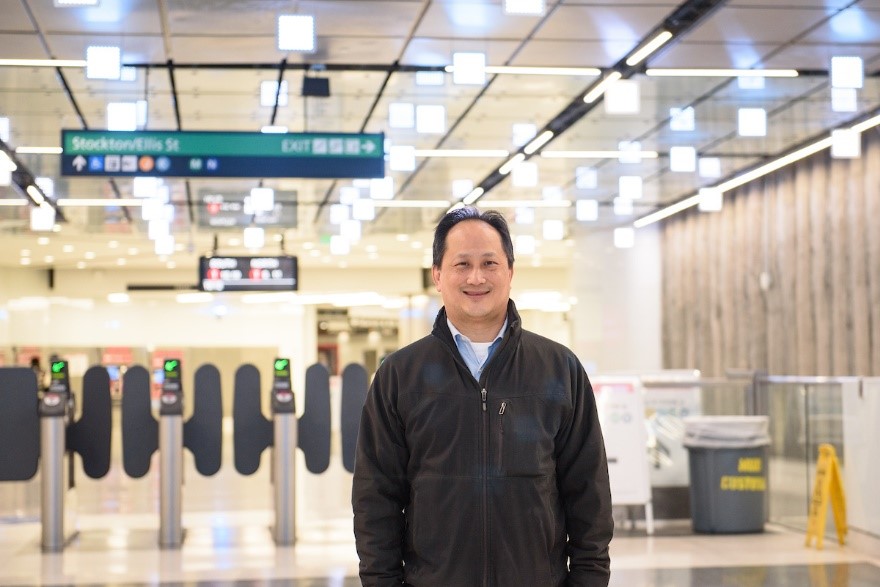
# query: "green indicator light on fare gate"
{"type": "Point", "coordinates": [57, 366]}
{"type": "Point", "coordinates": [281, 364]}
{"type": "Point", "coordinates": [171, 365]}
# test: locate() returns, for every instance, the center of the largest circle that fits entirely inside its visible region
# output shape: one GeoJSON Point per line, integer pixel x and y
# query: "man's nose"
{"type": "Point", "coordinates": [476, 275]}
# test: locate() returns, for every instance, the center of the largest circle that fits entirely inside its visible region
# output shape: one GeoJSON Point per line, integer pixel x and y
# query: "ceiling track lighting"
{"type": "Point", "coordinates": [463, 153]}
{"type": "Point", "coordinates": [760, 171]}
{"type": "Point", "coordinates": [599, 88]}
{"type": "Point", "coordinates": [649, 48]}
{"type": "Point", "coordinates": [511, 163]}
{"type": "Point", "coordinates": [472, 197]}
{"type": "Point", "coordinates": [411, 203]}
{"type": "Point", "coordinates": [39, 150]}
{"type": "Point", "coordinates": [721, 72]}
{"type": "Point", "coordinates": [43, 63]}
{"type": "Point", "coordinates": [538, 142]}
{"type": "Point", "coordinates": [535, 70]}
{"type": "Point", "coordinates": [98, 202]}
{"type": "Point", "coordinates": [599, 154]}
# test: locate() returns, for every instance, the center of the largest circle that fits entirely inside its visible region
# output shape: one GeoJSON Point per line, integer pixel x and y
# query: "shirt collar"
{"type": "Point", "coordinates": [456, 333]}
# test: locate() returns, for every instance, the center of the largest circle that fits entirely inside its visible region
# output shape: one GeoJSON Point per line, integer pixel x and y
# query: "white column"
{"type": "Point", "coordinates": [617, 318]}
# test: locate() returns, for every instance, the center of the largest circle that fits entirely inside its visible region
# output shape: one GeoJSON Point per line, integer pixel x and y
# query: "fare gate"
{"type": "Point", "coordinates": [37, 431]}
{"type": "Point", "coordinates": [354, 394]}
{"type": "Point", "coordinates": [253, 433]}
{"type": "Point", "coordinates": [142, 435]}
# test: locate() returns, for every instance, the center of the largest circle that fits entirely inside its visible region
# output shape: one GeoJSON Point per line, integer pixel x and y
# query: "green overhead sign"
{"type": "Point", "coordinates": [222, 154]}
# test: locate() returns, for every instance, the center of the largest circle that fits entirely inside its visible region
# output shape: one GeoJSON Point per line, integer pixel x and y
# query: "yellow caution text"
{"type": "Point", "coordinates": [743, 483]}
{"type": "Point", "coordinates": [750, 465]}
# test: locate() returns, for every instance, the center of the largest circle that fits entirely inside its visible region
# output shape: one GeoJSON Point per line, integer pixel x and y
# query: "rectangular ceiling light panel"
{"type": "Point", "coordinates": [296, 32]}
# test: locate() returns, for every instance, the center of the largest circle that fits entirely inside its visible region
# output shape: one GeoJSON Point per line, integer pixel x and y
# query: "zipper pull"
{"type": "Point", "coordinates": [503, 407]}
{"type": "Point", "coordinates": [483, 394]}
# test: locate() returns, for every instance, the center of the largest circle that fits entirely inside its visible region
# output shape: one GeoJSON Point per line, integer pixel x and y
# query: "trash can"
{"type": "Point", "coordinates": [728, 468]}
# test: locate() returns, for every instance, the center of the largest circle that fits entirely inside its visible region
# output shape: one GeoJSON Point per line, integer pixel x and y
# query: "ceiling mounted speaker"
{"type": "Point", "coordinates": [316, 86]}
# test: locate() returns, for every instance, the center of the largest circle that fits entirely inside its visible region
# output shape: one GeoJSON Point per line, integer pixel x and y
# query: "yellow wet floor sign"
{"type": "Point", "coordinates": [827, 488]}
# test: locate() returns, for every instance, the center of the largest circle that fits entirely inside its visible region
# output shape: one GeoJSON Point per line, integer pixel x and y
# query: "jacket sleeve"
{"type": "Point", "coordinates": [380, 490]}
{"type": "Point", "coordinates": [582, 475]}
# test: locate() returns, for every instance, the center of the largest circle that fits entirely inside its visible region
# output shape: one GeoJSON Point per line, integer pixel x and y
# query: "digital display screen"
{"type": "Point", "coordinates": [172, 369]}
{"type": "Point", "coordinates": [282, 367]}
{"type": "Point", "coordinates": [234, 210]}
{"type": "Point", "coordinates": [59, 370]}
{"type": "Point", "coordinates": [248, 273]}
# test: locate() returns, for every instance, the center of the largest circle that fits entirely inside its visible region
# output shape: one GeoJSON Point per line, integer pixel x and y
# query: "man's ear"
{"type": "Point", "coordinates": [435, 276]}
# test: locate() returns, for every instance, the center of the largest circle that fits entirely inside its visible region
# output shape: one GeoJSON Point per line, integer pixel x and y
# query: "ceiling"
{"type": "Point", "coordinates": [200, 64]}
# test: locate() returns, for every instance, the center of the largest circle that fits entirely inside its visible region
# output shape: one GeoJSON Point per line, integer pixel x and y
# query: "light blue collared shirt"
{"type": "Point", "coordinates": [467, 352]}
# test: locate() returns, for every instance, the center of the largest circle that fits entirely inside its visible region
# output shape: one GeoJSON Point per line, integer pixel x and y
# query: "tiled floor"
{"type": "Point", "coordinates": [228, 541]}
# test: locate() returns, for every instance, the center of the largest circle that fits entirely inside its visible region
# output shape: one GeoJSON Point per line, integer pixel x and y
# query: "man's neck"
{"type": "Point", "coordinates": [480, 332]}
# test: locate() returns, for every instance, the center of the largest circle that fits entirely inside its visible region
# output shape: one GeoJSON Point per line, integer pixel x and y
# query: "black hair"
{"type": "Point", "coordinates": [490, 217]}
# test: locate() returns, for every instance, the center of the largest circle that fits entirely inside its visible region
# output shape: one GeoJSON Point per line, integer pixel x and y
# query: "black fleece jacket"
{"type": "Point", "coordinates": [501, 482]}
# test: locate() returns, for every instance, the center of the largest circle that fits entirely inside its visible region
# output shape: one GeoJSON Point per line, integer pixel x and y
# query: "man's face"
{"type": "Point", "coordinates": [474, 278]}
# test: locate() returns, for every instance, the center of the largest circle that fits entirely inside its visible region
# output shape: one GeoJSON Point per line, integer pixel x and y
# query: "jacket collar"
{"type": "Point", "coordinates": [514, 326]}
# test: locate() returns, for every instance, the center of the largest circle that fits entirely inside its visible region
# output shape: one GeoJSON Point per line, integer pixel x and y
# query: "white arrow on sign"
{"type": "Point", "coordinates": [368, 146]}
{"type": "Point", "coordinates": [79, 162]}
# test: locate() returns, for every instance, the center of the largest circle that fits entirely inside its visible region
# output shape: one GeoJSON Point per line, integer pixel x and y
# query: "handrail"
{"type": "Point", "coordinates": [703, 382]}
{"type": "Point", "coordinates": [819, 380]}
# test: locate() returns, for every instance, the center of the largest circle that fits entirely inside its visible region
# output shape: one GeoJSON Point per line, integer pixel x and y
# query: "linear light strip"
{"type": "Point", "coordinates": [520, 70]}
{"type": "Point", "coordinates": [598, 154]}
{"type": "Point", "coordinates": [668, 211]}
{"type": "Point", "coordinates": [600, 87]}
{"type": "Point", "coordinates": [13, 202]}
{"type": "Point", "coordinates": [661, 39]}
{"type": "Point", "coordinates": [538, 142]}
{"type": "Point", "coordinates": [523, 70]}
{"type": "Point", "coordinates": [465, 153]}
{"type": "Point", "coordinates": [754, 174]}
{"type": "Point", "coordinates": [511, 163]}
{"type": "Point", "coordinates": [525, 203]}
{"type": "Point", "coordinates": [411, 203]}
{"type": "Point", "coordinates": [775, 165]}
{"type": "Point", "coordinates": [697, 72]}
{"type": "Point", "coordinates": [36, 195]}
{"type": "Point", "coordinates": [39, 150]}
{"type": "Point", "coordinates": [472, 197]}
{"type": "Point", "coordinates": [97, 202]}
{"type": "Point", "coordinates": [42, 63]}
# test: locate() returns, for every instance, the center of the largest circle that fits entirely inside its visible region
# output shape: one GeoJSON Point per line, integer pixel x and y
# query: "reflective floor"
{"type": "Point", "coordinates": [227, 520]}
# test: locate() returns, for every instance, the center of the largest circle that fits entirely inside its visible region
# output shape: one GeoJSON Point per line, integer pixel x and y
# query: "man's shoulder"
{"type": "Point", "coordinates": [533, 340]}
{"type": "Point", "coordinates": [418, 348]}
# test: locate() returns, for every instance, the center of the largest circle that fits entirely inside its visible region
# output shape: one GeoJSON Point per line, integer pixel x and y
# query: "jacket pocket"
{"type": "Point", "coordinates": [524, 432]}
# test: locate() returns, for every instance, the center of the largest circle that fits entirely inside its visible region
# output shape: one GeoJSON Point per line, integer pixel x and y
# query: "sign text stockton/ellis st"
{"type": "Point", "coordinates": [221, 154]}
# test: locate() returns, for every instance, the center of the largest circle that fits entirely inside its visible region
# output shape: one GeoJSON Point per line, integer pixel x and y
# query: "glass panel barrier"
{"type": "Point", "coordinates": [804, 413]}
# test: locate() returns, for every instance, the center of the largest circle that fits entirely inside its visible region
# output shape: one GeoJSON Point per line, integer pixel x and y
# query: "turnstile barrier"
{"type": "Point", "coordinates": [19, 424]}
{"type": "Point", "coordinates": [354, 394]}
{"type": "Point", "coordinates": [253, 433]}
{"type": "Point", "coordinates": [142, 435]}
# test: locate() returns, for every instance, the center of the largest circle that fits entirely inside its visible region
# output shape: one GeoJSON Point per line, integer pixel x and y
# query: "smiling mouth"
{"type": "Point", "coordinates": [476, 294]}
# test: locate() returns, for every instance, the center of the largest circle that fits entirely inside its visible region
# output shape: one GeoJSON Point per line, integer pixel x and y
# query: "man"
{"type": "Point", "coordinates": [480, 460]}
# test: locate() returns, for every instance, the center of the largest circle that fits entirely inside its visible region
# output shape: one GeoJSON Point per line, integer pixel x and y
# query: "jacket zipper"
{"type": "Point", "coordinates": [485, 472]}
{"type": "Point", "coordinates": [485, 499]}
